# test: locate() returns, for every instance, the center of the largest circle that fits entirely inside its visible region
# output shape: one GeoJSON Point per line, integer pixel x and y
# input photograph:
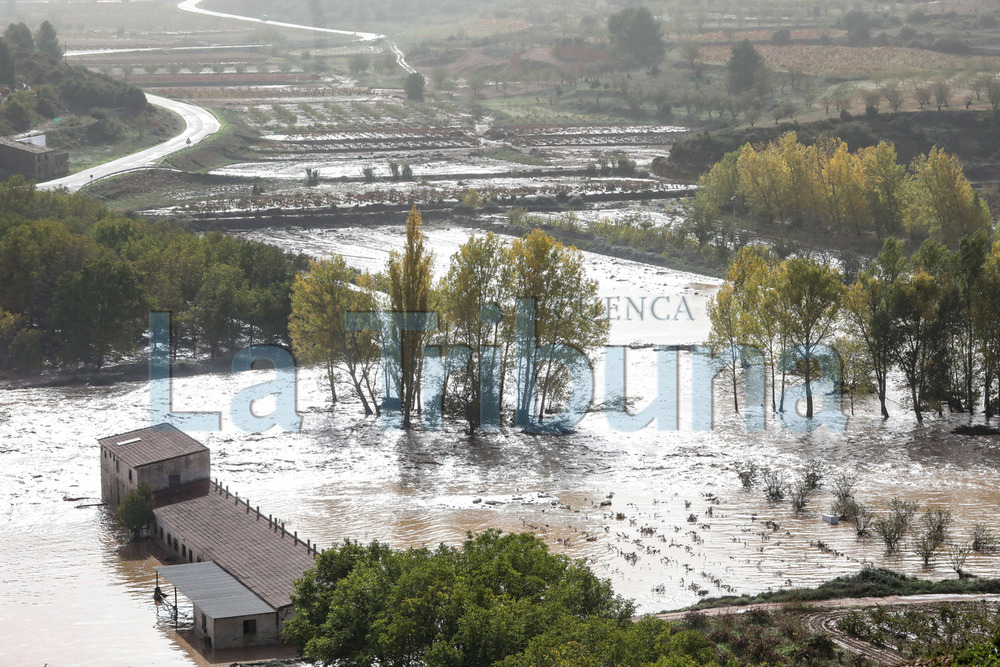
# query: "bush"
{"type": "Point", "coordinates": [774, 484]}
{"type": "Point", "coordinates": [136, 509]}
{"type": "Point", "coordinates": [983, 539]}
{"type": "Point", "coordinates": [782, 37]}
{"type": "Point", "coordinates": [747, 471]}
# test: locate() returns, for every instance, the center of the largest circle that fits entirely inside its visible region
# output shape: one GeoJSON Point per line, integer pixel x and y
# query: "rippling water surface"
{"type": "Point", "coordinates": [74, 592]}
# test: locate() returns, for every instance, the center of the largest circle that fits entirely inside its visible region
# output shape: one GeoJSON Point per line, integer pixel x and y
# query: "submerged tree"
{"type": "Point", "coordinates": [477, 292]}
{"type": "Point", "coordinates": [552, 276]}
{"type": "Point", "coordinates": [810, 296]}
{"type": "Point", "coordinates": [409, 294]}
{"type": "Point", "coordinates": [136, 509]}
{"type": "Point", "coordinates": [321, 299]}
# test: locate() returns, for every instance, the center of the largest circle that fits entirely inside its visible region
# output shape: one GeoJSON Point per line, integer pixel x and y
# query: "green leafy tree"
{"type": "Point", "coordinates": [16, 110]}
{"type": "Point", "coordinates": [637, 32]}
{"type": "Point", "coordinates": [136, 509]}
{"type": "Point", "coordinates": [410, 292]}
{"type": "Point", "coordinates": [321, 299]}
{"type": "Point", "coordinates": [986, 320]}
{"type": "Point", "coordinates": [7, 69]}
{"type": "Point", "coordinates": [220, 307]}
{"type": "Point", "coordinates": [414, 86]}
{"type": "Point", "coordinates": [473, 605]}
{"type": "Point", "coordinates": [47, 41]}
{"type": "Point", "coordinates": [19, 36]}
{"type": "Point", "coordinates": [745, 67]}
{"type": "Point", "coordinates": [810, 294]}
{"type": "Point", "coordinates": [99, 310]}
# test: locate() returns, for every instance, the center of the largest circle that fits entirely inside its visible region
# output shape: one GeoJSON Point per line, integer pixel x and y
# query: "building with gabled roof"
{"type": "Point", "coordinates": [161, 456]}
{"type": "Point", "coordinates": [238, 566]}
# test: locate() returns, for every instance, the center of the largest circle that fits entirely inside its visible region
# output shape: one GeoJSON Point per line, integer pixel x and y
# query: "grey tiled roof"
{"type": "Point", "coordinates": [148, 445]}
{"type": "Point", "coordinates": [219, 529]}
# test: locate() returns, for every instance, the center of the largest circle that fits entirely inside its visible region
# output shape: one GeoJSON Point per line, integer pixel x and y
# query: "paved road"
{"type": "Point", "coordinates": [192, 6]}
{"type": "Point", "coordinates": [199, 122]}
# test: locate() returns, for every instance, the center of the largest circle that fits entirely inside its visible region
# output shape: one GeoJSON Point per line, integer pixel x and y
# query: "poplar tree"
{"type": "Point", "coordinates": [409, 292]}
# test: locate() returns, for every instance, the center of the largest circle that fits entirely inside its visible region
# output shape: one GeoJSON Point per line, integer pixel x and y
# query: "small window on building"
{"type": "Point", "coordinates": [170, 540]}
{"type": "Point", "coordinates": [117, 467]}
{"type": "Point", "coordinates": [130, 475]}
{"type": "Point", "coordinates": [250, 626]}
{"type": "Point", "coordinates": [175, 480]}
{"type": "Point", "coordinates": [204, 623]}
{"type": "Point", "coordinates": [191, 557]}
{"type": "Point", "coordinates": [161, 532]}
{"type": "Point", "coordinates": [184, 550]}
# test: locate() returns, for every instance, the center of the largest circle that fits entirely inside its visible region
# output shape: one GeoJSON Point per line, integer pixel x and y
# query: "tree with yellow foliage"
{"type": "Point", "coordinates": [944, 206]}
{"type": "Point", "coordinates": [409, 293]}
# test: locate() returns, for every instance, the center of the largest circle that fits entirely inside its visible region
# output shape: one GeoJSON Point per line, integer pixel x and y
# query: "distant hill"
{"type": "Point", "coordinates": [39, 86]}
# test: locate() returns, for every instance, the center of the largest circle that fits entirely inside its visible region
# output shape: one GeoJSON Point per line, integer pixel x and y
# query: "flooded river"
{"type": "Point", "coordinates": [73, 592]}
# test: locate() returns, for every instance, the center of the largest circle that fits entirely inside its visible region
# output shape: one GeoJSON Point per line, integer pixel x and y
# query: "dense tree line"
{"type": "Point", "coordinates": [825, 185]}
{"type": "Point", "coordinates": [474, 338]}
{"type": "Point", "coordinates": [77, 282]}
{"type": "Point", "coordinates": [932, 318]}
{"type": "Point", "coordinates": [495, 600]}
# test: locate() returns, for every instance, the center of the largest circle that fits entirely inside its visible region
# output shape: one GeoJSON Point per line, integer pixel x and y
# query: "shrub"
{"type": "Point", "coordinates": [957, 555]}
{"type": "Point", "coordinates": [774, 484]}
{"type": "Point", "coordinates": [890, 529]}
{"type": "Point", "coordinates": [136, 509]}
{"type": "Point", "coordinates": [925, 546]}
{"type": "Point", "coordinates": [800, 495]}
{"type": "Point", "coordinates": [748, 472]}
{"type": "Point", "coordinates": [983, 539]}
{"type": "Point", "coordinates": [813, 476]}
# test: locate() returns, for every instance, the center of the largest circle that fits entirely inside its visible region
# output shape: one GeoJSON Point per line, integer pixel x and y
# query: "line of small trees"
{"type": "Point", "coordinates": [826, 185]}
{"type": "Point", "coordinates": [934, 317]}
{"type": "Point", "coordinates": [475, 305]}
{"type": "Point", "coordinates": [892, 524]}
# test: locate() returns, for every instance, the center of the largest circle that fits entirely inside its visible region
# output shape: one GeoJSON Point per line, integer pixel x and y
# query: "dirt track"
{"type": "Point", "coordinates": [822, 616]}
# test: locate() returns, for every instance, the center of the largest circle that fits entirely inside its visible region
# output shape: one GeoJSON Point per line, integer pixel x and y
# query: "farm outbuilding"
{"type": "Point", "coordinates": [227, 614]}
{"type": "Point", "coordinates": [162, 456]}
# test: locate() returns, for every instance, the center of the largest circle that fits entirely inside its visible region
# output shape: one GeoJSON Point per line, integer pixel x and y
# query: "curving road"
{"type": "Point", "coordinates": [199, 123]}
{"type": "Point", "coordinates": [192, 6]}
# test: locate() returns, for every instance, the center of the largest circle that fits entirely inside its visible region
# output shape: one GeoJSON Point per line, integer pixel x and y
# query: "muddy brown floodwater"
{"type": "Point", "coordinates": [73, 592]}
